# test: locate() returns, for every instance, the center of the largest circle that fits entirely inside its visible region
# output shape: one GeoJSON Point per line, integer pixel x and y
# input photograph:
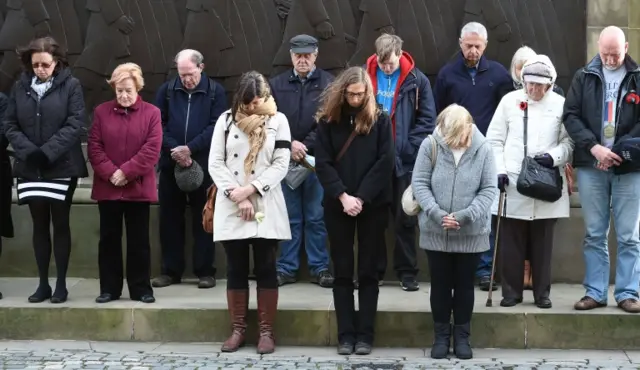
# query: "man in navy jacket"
{"type": "Point", "coordinates": [190, 105]}
{"type": "Point", "coordinates": [405, 94]}
{"type": "Point", "coordinates": [478, 84]}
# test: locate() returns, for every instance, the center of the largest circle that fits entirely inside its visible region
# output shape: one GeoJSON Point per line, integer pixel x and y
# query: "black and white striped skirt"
{"type": "Point", "coordinates": [57, 190]}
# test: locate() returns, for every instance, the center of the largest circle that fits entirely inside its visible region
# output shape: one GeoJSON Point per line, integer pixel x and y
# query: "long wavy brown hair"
{"type": "Point", "coordinates": [333, 100]}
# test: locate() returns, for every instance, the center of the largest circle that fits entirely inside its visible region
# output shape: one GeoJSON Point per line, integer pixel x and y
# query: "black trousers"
{"type": "Point", "coordinates": [173, 203]}
{"type": "Point", "coordinates": [341, 229]}
{"type": "Point", "coordinates": [264, 263]}
{"type": "Point", "coordinates": [452, 272]}
{"type": "Point", "coordinates": [516, 238]}
{"type": "Point", "coordinates": [404, 251]}
{"type": "Point", "coordinates": [136, 220]}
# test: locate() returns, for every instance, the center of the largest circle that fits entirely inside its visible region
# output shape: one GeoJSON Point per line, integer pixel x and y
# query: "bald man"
{"type": "Point", "coordinates": [597, 116]}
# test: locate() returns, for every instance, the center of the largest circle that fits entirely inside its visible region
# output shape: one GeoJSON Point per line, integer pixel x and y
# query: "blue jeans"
{"type": "Point", "coordinates": [306, 216]}
{"type": "Point", "coordinates": [486, 258]}
{"type": "Point", "coordinates": [600, 194]}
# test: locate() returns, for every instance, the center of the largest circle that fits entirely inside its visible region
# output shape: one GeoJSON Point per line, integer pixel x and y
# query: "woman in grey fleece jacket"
{"type": "Point", "coordinates": [455, 197]}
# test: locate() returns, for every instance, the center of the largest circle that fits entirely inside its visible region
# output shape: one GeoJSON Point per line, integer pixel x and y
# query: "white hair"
{"type": "Point", "coordinates": [520, 57]}
{"type": "Point", "coordinates": [193, 55]}
{"type": "Point", "coordinates": [474, 27]}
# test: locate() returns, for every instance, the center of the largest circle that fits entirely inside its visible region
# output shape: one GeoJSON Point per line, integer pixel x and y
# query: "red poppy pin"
{"type": "Point", "coordinates": [632, 98]}
{"type": "Point", "coordinates": [523, 105]}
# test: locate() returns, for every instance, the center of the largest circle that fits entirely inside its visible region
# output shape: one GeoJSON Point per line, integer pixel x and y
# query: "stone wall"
{"type": "Point", "coordinates": [622, 13]}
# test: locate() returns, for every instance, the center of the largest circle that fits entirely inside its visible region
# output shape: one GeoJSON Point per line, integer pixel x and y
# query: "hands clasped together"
{"type": "Point", "coordinates": [351, 205]}
{"type": "Point", "coordinates": [298, 150]}
{"type": "Point", "coordinates": [182, 155]}
{"type": "Point", "coordinates": [118, 178]}
{"type": "Point", "coordinates": [449, 222]}
{"type": "Point", "coordinates": [606, 158]}
{"type": "Point", "coordinates": [240, 195]}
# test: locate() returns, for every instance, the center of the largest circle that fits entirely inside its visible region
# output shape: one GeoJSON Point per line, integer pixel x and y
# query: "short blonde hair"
{"type": "Point", "coordinates": [456, 126]}
{"type": "Point", "coordinates": [127, 70]}
{"type": "Point", "coordinates": [386, 45]}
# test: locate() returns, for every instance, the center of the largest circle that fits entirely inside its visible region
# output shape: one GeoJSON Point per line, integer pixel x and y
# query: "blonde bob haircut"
{"type": "Point", "coordinates": [124, 71]}
{"type": "Point", "coordinates": [456, 126]}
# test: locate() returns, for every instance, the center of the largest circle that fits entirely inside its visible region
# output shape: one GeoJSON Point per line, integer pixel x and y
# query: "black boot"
{"type": "Point", "coordinates": [461, 345]}
{"type": "Point", "coordinates": [441, 340]}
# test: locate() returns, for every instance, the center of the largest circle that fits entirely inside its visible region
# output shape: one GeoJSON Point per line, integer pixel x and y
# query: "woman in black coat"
{"type": "Point", "coordinates": [44, 121]}
{"type": "Point", "coordinates": [6, 182]}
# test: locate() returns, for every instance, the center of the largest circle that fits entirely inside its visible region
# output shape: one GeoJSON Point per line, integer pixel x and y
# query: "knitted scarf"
{"type": "Point", "coordinates": [252, 123]}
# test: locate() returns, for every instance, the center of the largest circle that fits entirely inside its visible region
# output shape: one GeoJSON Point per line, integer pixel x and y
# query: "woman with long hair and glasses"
{"type": "Point", "coordinates": [249, 157]}
{"type": "Point", "coordinates": [44, 121]}
{"type": "Point", "coordinates": [354, 162]}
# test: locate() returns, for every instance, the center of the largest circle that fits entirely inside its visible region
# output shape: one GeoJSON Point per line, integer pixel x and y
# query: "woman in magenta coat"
{"type": "Point", "coordinates": [124, 146]}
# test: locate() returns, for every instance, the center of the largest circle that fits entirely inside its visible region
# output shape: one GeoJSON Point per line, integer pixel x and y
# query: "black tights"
{"type": "Point", "coordinates": [43, 213]}
{"type": "Point", "coordinates": [264, 261]}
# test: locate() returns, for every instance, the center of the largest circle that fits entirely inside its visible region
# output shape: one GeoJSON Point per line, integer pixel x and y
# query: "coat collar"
{"type": "Point", "coordinates": [121, 110]}
{"type": "Point", "coordinates": [202, 86]}
{"type": "Point", "coordinates": [59, 77]}
{"type": "Point", "coordinates": [483, 63]}
{"type": "Point", "coordinates": [595, 65]}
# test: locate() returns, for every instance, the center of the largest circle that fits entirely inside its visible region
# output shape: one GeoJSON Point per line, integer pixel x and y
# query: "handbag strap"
{"type": "Point", "coordinates": [346, 145]}
{"type": "Point", "coordinates": [525, 121]}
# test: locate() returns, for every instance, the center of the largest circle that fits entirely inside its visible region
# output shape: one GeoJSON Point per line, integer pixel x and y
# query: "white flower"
{"type": "Point", "coordinates": [259, 216]}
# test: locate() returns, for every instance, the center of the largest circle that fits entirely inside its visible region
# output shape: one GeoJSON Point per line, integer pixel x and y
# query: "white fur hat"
{"type": "Point", "coordinates": [539, 69]}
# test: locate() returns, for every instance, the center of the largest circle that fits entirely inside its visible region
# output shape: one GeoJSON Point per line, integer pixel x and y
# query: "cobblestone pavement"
{"type": "Point", "coordinates": [124, 356]}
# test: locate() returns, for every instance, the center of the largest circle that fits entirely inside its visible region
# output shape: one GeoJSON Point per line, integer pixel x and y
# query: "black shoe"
{"type": "Point", "coordinates": [409, 284]}
{"type": "Point", "coordinates": [41, 294]}
{"type": "Point", "coordinates": [544, 303]}
{"type": "Point", "coordinates": [362, 348]}
{"type": "Point", "coordinates": [59, 296]}
{"type": "Point", "coordinates": [324, 279]}
{"type": "Point", "coordinates": [207, 282]}
{"type": "Point", "coordinates": [441, 340]}
{"type": "Point", "coordinates": [105, 298]}
{"type": "Point", "coordinates": [284, 279]}
{"type": "Point", "coordinates": [510, 302]}
{"type": "Point", "coordinates": [461, 345]}
{"type": "Point", "coordinates": [484, 283]}
{"type": "Point", "coordinates": [345, 349]}
{"type": "Point", "coordinates": [164, 281]}
{"type": "Point", "coordinates": [147, 298]}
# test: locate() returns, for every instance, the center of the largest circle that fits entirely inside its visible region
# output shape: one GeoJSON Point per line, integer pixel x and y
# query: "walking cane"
{"type": "Point", "coordinates": [502, 205]}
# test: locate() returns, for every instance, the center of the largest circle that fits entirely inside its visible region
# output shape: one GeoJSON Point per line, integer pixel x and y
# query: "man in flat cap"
{"type": "Point", "coordinates": [296, 93]}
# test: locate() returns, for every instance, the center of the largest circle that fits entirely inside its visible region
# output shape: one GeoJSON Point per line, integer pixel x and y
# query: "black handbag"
{"type": "Point", "coordinates": [535, 180]}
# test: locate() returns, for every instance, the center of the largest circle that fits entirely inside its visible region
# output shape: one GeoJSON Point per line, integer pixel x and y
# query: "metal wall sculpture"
{"type": "Point", "coordinates": [239, 35]}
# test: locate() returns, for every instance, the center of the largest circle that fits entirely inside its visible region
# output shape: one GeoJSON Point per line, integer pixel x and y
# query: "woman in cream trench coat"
{"type": "Point", "coordinates": [250, 211]}
{"type": "Point", "coordinates": [529, 223]}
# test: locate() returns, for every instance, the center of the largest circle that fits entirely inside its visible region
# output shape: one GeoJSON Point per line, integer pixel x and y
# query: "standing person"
{"type": "Point", "coordinates": [123, 148]}
{"type": "Point", "coordinates": [404, 93]}
{"type": "Point", "coordinates": [250, 153]}
{"type": "Point", "coordinates": [6, 180]}
{"type": "Point", "coordinates": [190, 105]}
{"type": "Point", "coordinates": [354, 162]}
{"type": "Point", "coordinates": [44, 121]}
{"type": "Point", "coordinates": [296, 93]}
{"type": "Point", "coordinates": [600, 112]}
{"type": "Point", "coordinates": [529, 224]}
{"type": "Point", "coordinates": [478, 84]}
{"type": "Point", "coordinates": [455, 191]}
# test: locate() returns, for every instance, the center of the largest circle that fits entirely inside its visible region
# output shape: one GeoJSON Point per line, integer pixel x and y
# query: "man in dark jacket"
{"type": "Point", "coordinates": [405, 94]}
{"type": "Point", "coordinates": [6, 180]}
{"type": "Point", "coordinates": [600, 111]}
{"type": "Point", "coordinates": [478, 84]}
{"type": "Point", "coordinates": [296, 93]}
{"type": "Point", "coordinates": [190, 105]}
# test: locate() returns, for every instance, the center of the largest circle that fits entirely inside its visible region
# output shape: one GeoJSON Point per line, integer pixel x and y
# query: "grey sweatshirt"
{"type": "Point", "coordinates": [467, 190]}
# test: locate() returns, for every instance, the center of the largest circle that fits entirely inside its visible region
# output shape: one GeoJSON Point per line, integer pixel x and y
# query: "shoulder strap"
{"type": "Point", "coordinates": [212, 90]}
{"type": "Point", "coordinates": [346, 145]}
{"type": "Point", "coordinates": [434, 150]}
{"type": "Point", "coordinates": [525, 121]}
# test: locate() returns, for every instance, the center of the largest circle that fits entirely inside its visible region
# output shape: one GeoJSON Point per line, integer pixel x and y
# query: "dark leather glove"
{"type": "Point", "coordinates": [544, 160]}
{"type": "Point", "coordinates": [38, 158]}
{"type": "Point", "coordinates": [503, 182]}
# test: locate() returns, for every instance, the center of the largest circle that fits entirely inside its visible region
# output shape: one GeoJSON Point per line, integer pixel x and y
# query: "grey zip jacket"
{"type": "Point", "coordinates": [466, 190]}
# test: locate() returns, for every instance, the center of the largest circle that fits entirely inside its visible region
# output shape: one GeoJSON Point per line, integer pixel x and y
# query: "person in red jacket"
{"type": "Point", "coordinates": [124, 145]}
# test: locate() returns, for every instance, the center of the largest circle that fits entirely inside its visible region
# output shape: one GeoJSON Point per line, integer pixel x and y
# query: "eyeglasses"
{"type": "Point", "coordinates": [43, 65]}
{"type": "Point", "coordinates": [353, 95]}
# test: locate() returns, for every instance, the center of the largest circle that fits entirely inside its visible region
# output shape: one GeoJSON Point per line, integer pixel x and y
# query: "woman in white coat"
{"type": "Point", "coordinates": [529, 223]}
{"type": "Point", "coordinates": [249, 157]}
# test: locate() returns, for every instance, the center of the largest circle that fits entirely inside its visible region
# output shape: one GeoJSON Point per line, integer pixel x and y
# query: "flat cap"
{"type": "Point", "coordinates": [303, 44]}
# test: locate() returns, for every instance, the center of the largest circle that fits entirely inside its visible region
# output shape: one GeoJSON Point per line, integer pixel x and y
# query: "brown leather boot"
{"type": "Point", "coordinates": [238, 304]}
{"type": "Point", "coordinates": [527, 276]}
{"type": "Point", "coordinates": [267, 310]}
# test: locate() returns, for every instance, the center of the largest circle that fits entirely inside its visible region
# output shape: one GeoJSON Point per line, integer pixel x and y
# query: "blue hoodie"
{"type": "Point", "coordinates": [386, 89]}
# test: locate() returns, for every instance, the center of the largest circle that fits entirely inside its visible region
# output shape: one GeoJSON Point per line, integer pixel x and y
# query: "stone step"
{"type": "Point", "coordinates": [18, 260]}
{"type": "Point", "coordinates": [306, 317]}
